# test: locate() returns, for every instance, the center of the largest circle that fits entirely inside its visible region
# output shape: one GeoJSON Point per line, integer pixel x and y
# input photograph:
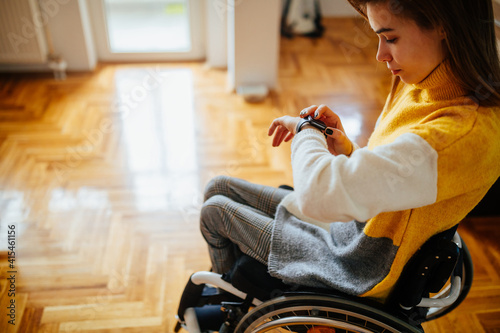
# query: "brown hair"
{"type": "Point", "coordinates": [470, 39]}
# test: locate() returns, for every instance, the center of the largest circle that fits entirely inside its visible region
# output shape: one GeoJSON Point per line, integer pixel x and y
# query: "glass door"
{"type": "Point", "coordinates": [147, 30]}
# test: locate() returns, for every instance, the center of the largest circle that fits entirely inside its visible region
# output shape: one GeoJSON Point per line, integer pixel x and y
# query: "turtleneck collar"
{"type": "Point", "coordinates": [439, 84]}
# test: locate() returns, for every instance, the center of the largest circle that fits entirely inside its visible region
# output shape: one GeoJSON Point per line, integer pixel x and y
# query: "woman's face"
{"type": "Point", "coordinates": [409, 51]}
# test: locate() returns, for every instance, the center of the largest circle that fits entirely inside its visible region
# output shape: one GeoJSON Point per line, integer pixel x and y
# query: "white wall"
{"type": "Point", "coordinates": [72, 36]}
{"type": "Point", "coordinates": [69, 30]}
{"type": "Point", "coordinates": [216, 33]}
{"type": "Point", "coordinates": [253, 42]}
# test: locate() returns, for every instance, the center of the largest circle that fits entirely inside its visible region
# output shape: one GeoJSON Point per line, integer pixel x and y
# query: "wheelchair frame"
{"type": "Point", "coordinates": [297, 310]}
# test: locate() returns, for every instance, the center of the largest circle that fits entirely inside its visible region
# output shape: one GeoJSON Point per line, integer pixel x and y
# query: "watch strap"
{"type": "Point", "coordinates": [313, 122]}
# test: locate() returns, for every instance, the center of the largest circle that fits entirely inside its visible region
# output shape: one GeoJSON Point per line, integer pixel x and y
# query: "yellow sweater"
{"type": "Point", "coordinates": [352, 223]}
{"type": "Point", "coordinates": [466, 138]}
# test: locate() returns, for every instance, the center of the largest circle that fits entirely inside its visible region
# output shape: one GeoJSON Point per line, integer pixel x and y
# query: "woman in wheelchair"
{"type": "Point", "coordinates": [356, 216]}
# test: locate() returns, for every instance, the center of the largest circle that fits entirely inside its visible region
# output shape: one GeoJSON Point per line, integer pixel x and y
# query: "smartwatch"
{"type": "Point", "coordinates": [315, 123]}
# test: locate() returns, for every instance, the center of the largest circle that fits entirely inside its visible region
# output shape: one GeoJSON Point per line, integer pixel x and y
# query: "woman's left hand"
{"type": "Point", "coordinates": [338, 142]}
{"type": "Point", "coordinates": [285, 129]}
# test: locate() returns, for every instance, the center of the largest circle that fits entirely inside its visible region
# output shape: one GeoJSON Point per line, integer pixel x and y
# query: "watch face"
{"type": "Point", "coordinates": [316, 123]}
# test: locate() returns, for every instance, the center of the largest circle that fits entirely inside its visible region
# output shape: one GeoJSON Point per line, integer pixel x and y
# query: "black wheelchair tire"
{"type": "Point", "coordinates": [297, 313]}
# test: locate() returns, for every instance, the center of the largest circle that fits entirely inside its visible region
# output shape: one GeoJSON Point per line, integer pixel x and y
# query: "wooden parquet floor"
{"type": "Point", "coordinates": [102, 178]}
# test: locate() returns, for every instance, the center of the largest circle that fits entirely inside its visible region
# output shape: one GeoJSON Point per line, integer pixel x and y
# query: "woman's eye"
{"type": "Point", "coordinates": [391, 41]}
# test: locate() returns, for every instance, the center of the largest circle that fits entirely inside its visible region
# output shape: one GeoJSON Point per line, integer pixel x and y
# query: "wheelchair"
{"type": "Point", "coordinates": [247, 299]}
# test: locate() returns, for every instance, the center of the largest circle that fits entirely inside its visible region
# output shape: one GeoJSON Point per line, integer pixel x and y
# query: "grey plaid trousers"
{"type": "Point", "coordinates": [238, 217]}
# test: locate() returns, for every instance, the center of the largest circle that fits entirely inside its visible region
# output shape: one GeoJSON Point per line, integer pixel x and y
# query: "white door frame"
{"type": "Point", "coordinates": [103, 49]}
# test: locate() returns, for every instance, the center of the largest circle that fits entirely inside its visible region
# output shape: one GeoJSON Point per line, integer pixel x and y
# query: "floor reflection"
{"type": "Point", "coordinates": [13, 211]}
{"type": "Point", "coordinates": [63, 200]}
{"type": "Point", "coordinates": [159, 136]}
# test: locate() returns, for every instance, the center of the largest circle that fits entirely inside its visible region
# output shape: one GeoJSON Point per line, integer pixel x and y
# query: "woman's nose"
{"type": "Point", "coordinates": [383, 53]}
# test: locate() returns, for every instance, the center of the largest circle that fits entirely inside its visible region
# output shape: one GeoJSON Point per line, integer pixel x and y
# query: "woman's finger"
{"type": "Point", "coordinates": [283, 129]}
{"type": "Point", "coordinates": [276, 124]}
{"type": "Point", "coordinates": [289, 137]}
{"type": "Point", "coordinates": [279, 136]}
{"type": "Point", "coordinates": [273, 127]}
{"type": "Point", "coordinates": [308, 111]}
{"type": "Point", "coordinates": [330, 118]}
{"type": "Point", "coordinates": [323, 111]}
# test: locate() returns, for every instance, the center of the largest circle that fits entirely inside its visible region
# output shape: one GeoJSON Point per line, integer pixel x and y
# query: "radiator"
{"type": "Point", "coordinates": [22, 38]}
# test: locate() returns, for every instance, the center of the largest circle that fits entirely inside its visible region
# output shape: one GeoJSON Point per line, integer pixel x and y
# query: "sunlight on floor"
{"type": "Point", "coordinates": [13, 211]}
{"type": "Point", "coordinates": [159, 137]}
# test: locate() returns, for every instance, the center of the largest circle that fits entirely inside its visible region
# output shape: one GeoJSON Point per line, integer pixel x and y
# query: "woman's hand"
{"type": "Point", "coordinates": [338, 142]}
{"type": "Point", "coordinates": [285, 129]}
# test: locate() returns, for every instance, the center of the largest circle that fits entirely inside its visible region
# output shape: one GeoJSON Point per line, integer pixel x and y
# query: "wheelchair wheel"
{"type": "Point", "coordinates": [302, 313]}
{"type": "Point", "coordinates": [467, 277]}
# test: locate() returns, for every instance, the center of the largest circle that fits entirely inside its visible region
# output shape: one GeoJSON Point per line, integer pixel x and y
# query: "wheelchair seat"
{"type": "Point", "coordinates": [254, 301]}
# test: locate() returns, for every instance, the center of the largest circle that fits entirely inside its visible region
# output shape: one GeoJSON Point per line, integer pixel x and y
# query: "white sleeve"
{"type": "Point", "coordinates": [392, 177]}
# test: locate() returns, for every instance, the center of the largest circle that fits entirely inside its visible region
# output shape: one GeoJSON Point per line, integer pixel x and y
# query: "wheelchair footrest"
{"type": "Point", "coordinates": [190, 297]}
